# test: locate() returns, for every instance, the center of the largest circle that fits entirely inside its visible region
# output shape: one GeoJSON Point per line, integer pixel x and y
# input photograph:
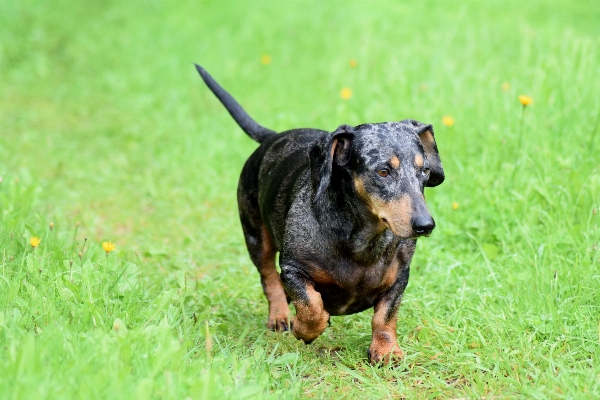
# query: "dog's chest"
{"type": "Point", "coordinates": [347, 289]}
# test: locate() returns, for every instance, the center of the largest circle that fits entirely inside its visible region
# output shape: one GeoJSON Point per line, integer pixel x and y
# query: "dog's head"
{"type": "Point", "coordinates": [389, 164]}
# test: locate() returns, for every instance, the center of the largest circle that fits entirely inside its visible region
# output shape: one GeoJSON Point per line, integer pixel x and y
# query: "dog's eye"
{"type": "Point", "coordinates": [383, 172]}
{"type": "Point", "coordinates": [425, 171]}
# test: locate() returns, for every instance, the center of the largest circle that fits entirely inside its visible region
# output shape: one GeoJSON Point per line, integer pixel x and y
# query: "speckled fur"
{"type": "Point", "coordinates": [343, 209]}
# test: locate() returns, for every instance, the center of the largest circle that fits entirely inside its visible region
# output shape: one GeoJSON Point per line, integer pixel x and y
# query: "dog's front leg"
{"type": "Point", "coordinates": [311, 318]}
{"type": "Point", "coordinates": [384, 346]}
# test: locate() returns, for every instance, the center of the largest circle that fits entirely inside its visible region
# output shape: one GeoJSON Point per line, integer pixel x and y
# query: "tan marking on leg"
{"type": "Point", "coordinates": [279, 310]}
{"type": "Point", "coordinates": [384, 347]}
{"type": "Point", "coordinates": [419, 160]}
{"type": "Point", "coordinates": [395, 162]}
{"type": "Point", "coordinates": [311, 318]}
{"type": "Point", "coordinates": [321, 277]}
{"type": "Point", "coordinates": [391, 274]}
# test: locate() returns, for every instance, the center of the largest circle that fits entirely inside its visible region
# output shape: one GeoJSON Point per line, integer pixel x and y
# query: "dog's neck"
{"type": "Point", "coordinates": [364, 237]}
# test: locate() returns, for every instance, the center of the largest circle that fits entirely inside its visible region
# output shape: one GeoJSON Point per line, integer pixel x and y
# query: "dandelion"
{"type": "Point", "coordinates": [34, 241]}
{"type": "Point", "coordinates": [353, 63]}
{"type": "Point", "coordinates": [345, 93]}
{"type": "Point", "coordinates": [51, 225]}
{"type": "Point", "coordinates": [455, 206]}
{"type": "Point", "coordinates": [265, 59]}
{"type": "Point", "coordinates": [447, 120]}
{"type": "Point", "coordinates": [108, 247]}
{"type": "Point", "coordinates": [525, 100]}
{"type": "Point", "coordinates": [119, 327]}
{"type": "Point", "coordinates": [505, 86]}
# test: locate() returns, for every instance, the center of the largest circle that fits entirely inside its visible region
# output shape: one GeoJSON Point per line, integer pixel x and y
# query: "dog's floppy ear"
{"type": "Point", "coordinates": [436, 174]}
{"type": "Point", "coordinates": [334, 147]}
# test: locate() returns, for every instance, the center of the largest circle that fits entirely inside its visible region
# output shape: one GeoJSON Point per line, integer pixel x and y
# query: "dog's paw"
{"type": "Point", "coordinates": [308, 332]}
{"type": "Point", "coordinates": [278, 324]}
{"type": "Point", "coordinates": [384, 355]}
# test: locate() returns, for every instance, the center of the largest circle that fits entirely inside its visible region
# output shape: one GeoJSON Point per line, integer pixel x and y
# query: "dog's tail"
{"type": "Point", "coordinates": [254, 130]}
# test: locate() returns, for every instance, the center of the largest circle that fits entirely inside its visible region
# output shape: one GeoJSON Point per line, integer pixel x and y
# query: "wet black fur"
{"type": "Point", "coordinates": [301, 184]}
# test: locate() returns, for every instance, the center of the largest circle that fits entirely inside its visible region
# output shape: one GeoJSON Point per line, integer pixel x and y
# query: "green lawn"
{"type": "Point", "coordinates": [104, 123]}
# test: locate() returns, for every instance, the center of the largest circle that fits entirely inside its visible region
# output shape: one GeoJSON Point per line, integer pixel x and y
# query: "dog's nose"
{"type": "Point", "coordinates": [423, 224]}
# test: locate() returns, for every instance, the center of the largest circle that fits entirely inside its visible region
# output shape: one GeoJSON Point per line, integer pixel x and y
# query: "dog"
{"type": "Point", "coordinates": [344, 210]}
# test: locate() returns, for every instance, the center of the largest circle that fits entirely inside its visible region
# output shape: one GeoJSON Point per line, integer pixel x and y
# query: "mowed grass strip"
{"type": "Point", "coordinates": [105, 123]}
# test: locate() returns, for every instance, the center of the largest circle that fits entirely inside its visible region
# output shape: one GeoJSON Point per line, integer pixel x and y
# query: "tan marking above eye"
{"type": "Point", "coordinates": [395, 162]}
{"type": "Point", "coordinates": [418, 160]}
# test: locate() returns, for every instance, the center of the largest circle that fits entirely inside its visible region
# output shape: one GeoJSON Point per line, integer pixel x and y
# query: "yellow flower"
{"type": "Point", "coordinates": [345, 93]}
{"type": "Point", "coordinates": [525, 100]}
{"type": "Point", "coordinates": [505, 86]}
{"type": "Point", "coordinates": [108, 247]}
{"type": "Point", "coordinates": [353, 63]}
{"type": "Point", "coordinates": [265, 59]}
{"type": "Point", "coordinates": [447, 120]}
{"type": "Point", "coordinates": [34, 241]}
{"type": "Point", "coordinates": [455, 206]}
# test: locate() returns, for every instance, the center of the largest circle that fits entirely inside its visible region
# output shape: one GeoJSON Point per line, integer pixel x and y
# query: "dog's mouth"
{"type": "Point", "coordinates": [387, 225]}
{"type": "Point", "coordinates": [411, 235]}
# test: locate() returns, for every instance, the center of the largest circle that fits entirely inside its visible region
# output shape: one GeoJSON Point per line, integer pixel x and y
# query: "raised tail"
{"type": "Point", "coordinates": [254, 130]}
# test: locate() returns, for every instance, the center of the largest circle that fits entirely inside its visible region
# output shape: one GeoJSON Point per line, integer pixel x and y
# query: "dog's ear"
{"type": "Point", "coordinates": [436, 174]}
{"type": "Point", "coordinates": [335, 147]}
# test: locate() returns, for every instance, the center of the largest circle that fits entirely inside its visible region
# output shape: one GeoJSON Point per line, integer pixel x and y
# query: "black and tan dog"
{"type": "Point", "coordinates": [344, 210]}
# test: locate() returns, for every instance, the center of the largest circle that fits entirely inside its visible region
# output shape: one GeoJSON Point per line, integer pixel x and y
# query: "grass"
{"type": "Point", "coordinates": [105, 123]}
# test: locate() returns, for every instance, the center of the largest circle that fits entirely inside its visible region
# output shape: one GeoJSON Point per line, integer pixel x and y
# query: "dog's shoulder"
{"type": "Point", "coordinates": [284, 160]}
{"type": "Point", "coordinates": [280, 170]}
